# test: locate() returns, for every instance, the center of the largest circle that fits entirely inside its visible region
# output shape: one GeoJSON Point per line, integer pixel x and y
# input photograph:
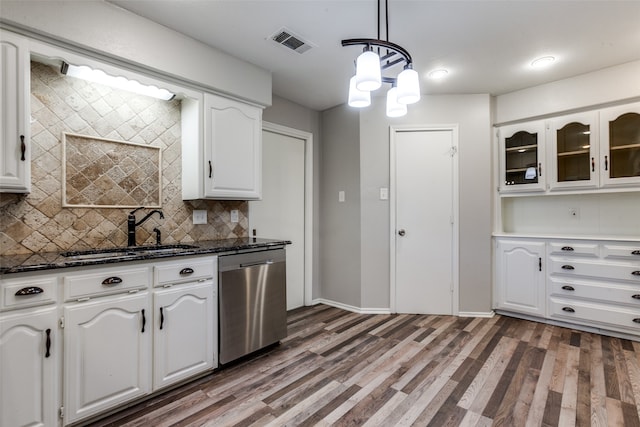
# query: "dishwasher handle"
{"type": "Point", "coordinates": [253, 264]}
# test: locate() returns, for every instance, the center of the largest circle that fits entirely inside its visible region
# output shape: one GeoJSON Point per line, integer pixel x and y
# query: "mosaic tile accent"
{"type": "Point", "coordinates": [37, 222]}
{"type": "Point", "coordinates": [109, 173]}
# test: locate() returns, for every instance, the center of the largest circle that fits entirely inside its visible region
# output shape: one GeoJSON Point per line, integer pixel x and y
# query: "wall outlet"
{"type": "Point", "coordinates": [384, 193]}
{"type": "Point", "coordinates": [234, 215]}
{"type": "Point", "coordinates": [199, 217]}
{"type": "Point", "coordinates": [341, 196]}
{"type": "Point", "coordinates": [574, 213]}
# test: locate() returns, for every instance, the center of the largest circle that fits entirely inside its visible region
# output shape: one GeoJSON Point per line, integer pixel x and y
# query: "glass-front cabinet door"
{"type": "Point", "coordinates": [522, 157]}
{"type": "Point", "coordinates": [620, 145]}
{"type": "Point", "coordinates": [574, 155]}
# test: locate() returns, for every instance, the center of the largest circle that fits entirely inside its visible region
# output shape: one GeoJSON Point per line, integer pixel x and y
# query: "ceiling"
{"type": "Point", "coordinates": [487, 46]}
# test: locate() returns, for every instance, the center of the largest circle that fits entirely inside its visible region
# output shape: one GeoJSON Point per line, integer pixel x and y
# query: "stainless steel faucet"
{"type": "Point", "coordinates": [132, 224]}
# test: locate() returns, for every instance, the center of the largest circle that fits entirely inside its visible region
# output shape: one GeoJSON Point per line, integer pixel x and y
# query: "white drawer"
{"type": "Point", "coordinates": [591, 250]}
{"type": "Point", "coordinates": [619, 251]}
{"type": "Point", "coordinates": [28, 292]}
{"type": "Point", "coordinates": [105, 281]}
{"type": "Point", "coordinates": [615, 317]}
{"type": "Point", "coordinates": [184, 269]}
{"type": "Point", "coordinates": [607, 270]}
{"type": "Point", "coordinates": [603, 292]}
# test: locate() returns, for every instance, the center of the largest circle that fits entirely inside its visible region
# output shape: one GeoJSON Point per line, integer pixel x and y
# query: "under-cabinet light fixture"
{"type": "Point", "coordinates": [98, 76]}
{"type": "Point", "coordinates": [405, 88]}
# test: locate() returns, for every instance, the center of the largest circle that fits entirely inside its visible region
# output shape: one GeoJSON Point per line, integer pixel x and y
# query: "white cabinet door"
{"type": "Point", "coordinates": [185, 327]}
{"type": "Point", "coordinates": [522, 166]}
{"type": "Point", "coordinates": [107, 354]}
{"type": "Point", "coordinates": [520, 281]}
{"type": "Point", "coordinates": [29, 354]}
{"type": "Point", "coordinates": [15, 149]}
{"type": "Point", "coordinates": [620, 145]}
{"type": "Point", "coordinates": [574, 161]}
{"type": "Point", "coordinates": [232, 149]}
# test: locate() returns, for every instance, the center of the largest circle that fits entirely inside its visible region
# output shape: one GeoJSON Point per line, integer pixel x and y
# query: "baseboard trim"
{"type": "Point", "coordinates": [487, 314]}
{"type": "Point", "coordinates": [351, 308]}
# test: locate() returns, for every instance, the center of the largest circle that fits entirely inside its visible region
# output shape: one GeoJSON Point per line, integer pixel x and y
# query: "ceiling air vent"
{"type": "Point", "coordinates": [288, 39]}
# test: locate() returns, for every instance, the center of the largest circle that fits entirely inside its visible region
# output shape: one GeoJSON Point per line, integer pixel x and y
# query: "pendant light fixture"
{"type": "Point", "coordinates": [379, 55]}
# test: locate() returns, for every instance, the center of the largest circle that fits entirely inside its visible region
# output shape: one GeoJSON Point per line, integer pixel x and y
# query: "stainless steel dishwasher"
{"type": "Point", "coordinates": [252, 301]}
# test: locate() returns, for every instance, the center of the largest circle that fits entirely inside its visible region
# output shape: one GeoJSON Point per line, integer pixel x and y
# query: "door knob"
{"type": "Point", "coordinates": [401, 232]}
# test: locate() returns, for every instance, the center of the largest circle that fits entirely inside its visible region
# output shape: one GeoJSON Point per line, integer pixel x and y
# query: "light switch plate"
{"type": "Point", "coordinates": [384, 193]}
{"type": "Point", "coordinates": [199, 216]}
{"type": "Point", "coordinates": [234, 215]}
{"type": "Point", "coordinates": [341, 196]}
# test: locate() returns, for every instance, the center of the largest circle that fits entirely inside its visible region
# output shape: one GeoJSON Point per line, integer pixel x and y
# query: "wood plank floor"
{"type": "Point", "coordinates": [341, 368]}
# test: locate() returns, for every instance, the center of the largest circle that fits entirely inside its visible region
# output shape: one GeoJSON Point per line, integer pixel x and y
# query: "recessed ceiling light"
{"type": "Point", "coordinates": [543, 62]}
{"type": "Point", "coordinates": [438, 74]}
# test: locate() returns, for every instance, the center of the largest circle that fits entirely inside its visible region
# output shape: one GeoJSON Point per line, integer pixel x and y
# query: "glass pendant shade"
{"type": "Point", "coordinates": [408, 87]}
{"type": "Point", "coordinates": [358, 98]}
{"type": "Point", "coordinates": [368, 74]}
{"type": "Point", "coordinates": [394, 108]}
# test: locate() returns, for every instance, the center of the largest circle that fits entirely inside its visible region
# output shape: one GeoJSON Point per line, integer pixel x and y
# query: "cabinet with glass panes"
{"type": "Point", "coordinates": [620, 145]}
{"type": "Point", "coordinates": [522, 157]}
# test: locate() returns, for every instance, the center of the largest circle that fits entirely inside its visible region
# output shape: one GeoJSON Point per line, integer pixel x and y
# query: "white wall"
{"type": "Point", "coordinates": [111, 32]}
{"type": "Point", "coordinates": [610, 85]}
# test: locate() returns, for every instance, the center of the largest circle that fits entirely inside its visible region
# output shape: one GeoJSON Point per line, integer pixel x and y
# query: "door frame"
{"type": "Point", "coordinates": [393, 130]}
{"type": "Point", "coordinates": [307, 137]}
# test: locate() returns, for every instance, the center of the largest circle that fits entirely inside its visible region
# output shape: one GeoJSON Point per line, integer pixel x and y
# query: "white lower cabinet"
{"type": "Point", "coordinates": [107, 353]}
{"type": "Point", "coordinates": [30, 349]}
{"type": "Point", "coordinates": [588, 282]}
{"type": "Point", "coordinates": [183, 337]}
{"type": "Point", "coordinates": [520, 280]}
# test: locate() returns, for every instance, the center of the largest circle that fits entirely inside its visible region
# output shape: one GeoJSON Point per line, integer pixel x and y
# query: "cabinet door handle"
{"type": "Point", "coordinates": [636, 320]}
{"type": "Point", "coordinates": [23, 148]}
{"type": "Point", "coordinates": [210, 169]}
{"type": "Point", "coordinates": [568, 309]}
{"type": "Point", "coordinates": [636, 296]}
{"type": "Point", "coordinates": [606, 163]}
{"type": "Point", "coordinates": [635, 252]}
{"type": "Point", "coordinates": [568, 267]}
{"type": "Point", "coordinates": [593, 164]}
{"type": "Point", "coordinates": [110, 281]}
{"type": "Point", "coordinates": [29, 290]}
{"type": "Point", "coordinates": [540, 169]}
{"type": "Point", "coordinates": [144, 321]}
{"type": "Point", "coordinates": [568, 288]}
{"type": "Point", "coordinates": [48, 344]}
{"type": "Point", "coordinates": [636, 273]}
{"type": "Point", "coordinates": [567, 248]}
{"type": "Point", "coordinates": [161, 318]}
{"type": "Point", "coordinates": [539, 264]}
{"type": "Point", "coordinates": [186, 271]}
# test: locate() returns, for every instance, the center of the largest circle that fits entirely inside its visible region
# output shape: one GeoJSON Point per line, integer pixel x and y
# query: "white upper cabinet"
{"type": "Point", "coordinates": [226, 163]}
{"type": "Point", "coordinates": [15, 149]}
{"type": "Point", "coordinates": [620, 145]}
{"type": "Point", "coordinates": [573, 153]}
{"type": "Point", "coordinates": [522, 149]}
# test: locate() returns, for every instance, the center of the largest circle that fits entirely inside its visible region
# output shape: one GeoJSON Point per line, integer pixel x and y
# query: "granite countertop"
{"type": "Point", "coordinates": [56, 260]}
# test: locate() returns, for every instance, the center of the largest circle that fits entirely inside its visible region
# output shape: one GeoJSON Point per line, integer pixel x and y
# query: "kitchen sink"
{"type": "Point", "coordinates": [129, 252]}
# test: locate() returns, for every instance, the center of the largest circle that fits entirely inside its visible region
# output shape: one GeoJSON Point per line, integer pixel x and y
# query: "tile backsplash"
{"type": "Point", "coordinates": [37, 222]}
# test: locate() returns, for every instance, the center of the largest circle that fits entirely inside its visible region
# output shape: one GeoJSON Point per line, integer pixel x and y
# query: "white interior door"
{"type": "Point", "coordinates": [281, 212]}
{"type": "Point", "coordinates": [424, 221]}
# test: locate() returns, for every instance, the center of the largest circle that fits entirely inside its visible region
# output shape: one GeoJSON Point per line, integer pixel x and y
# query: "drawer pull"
{"type": "Point", "coordinates": [568, 309]}
{"type": "Point", "coordinates": [29, 290]}
{"type": "Point", "coordinates": [636, 320]}
{"type": "Point", "coordinates": [637, 252]}
{"type": "Point", "coordinates": [636, 273]}
{"type": "Point", "coordinates": [636, 296]}
{"type": "Point", "coordinates": [47, 353]}
{"type": "Point", "coordinates": [570, 288]}
{"type": "Point", "coordinates": [186, 271]}
{"type": "Point", "coordinates": [568, 267]}
{"type": "Point", "coordinates": [110, 281]}
{"type": "Point", "coordinates": [567, 248]}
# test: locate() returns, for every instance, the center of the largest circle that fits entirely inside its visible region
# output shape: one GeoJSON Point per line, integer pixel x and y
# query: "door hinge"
{"type": "Point", "coordinates": [453, 151]}
{"type": "Point", "coordinates": [61, 412]}
{"type": "Point", "coordinates": [62, 322]}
